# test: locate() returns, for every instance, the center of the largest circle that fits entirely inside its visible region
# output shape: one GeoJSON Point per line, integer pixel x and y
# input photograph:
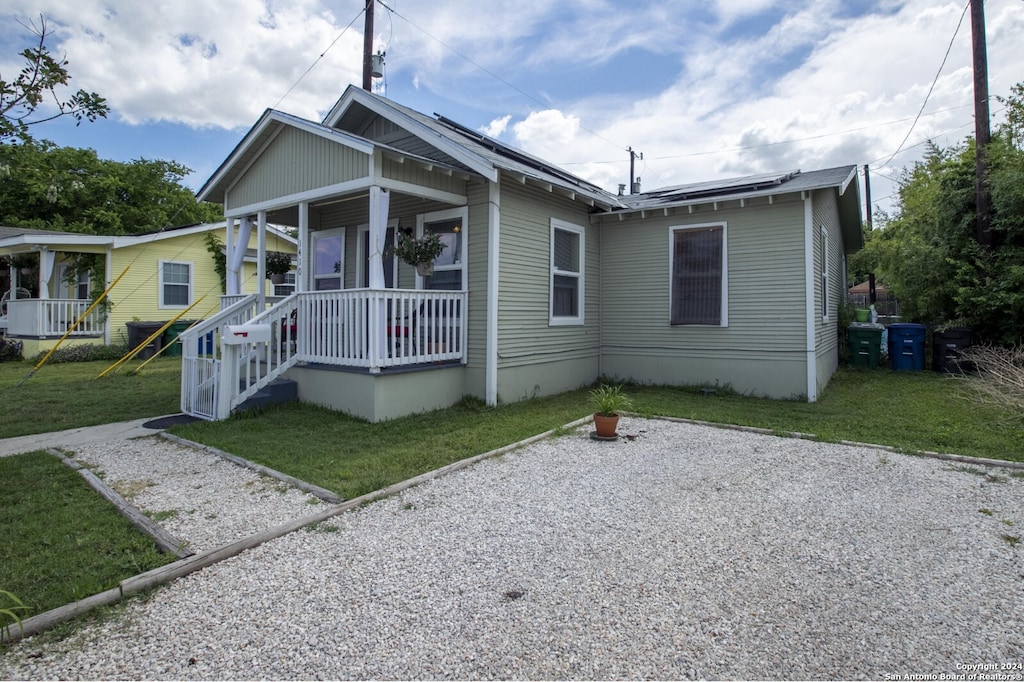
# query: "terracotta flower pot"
{"type": "Point", "coordinates": [605, 426]}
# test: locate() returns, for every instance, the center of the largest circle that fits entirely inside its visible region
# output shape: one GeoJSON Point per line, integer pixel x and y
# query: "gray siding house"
{"type": "Point", "coordinates": [547, 282]}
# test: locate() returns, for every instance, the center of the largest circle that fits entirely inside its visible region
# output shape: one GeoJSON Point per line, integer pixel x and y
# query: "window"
{"type": "Point", "coordinates": [699, 282]}
{"type": "Point", "coordinates": [286, 288]}
{"type": "Point", "coordinates": [175, 284]}
{"type": "Point", "coordinates": [77, 288]}
{"type": "Point", "coordinates": [450, 266]}
{"type": "Point", "coordinates": [824, 275]}
{"type": "Point", "coordinates": [328, 260]}
{"type": "Point", "coordinates": [566, 293]}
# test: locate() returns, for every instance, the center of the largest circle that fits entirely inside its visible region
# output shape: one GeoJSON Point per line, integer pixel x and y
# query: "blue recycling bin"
{"type": "Point", "coordinates": [906, 346]}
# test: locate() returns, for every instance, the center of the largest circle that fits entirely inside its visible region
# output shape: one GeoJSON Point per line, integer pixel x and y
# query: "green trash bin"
{"type": "Point", "coordinates": [171, 335]}
{"type": "Point", "coordinates": [865, 343]}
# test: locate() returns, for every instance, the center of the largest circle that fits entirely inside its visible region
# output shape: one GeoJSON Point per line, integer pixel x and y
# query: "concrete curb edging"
{"type": "Point", "coordinates": [196, 562]}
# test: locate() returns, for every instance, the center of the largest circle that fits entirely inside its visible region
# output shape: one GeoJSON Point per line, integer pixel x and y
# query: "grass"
{"type": "Point", "coordinates": [910, 411]}
{"type": "Point", "coordinates": [69, 395]}
{"type": "Point", "coordinates": [59, 540]}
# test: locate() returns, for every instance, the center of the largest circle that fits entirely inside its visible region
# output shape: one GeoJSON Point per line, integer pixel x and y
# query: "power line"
{"type": "Point", "coordinates": [932, 86]}
{"type": "Point", "coordinates": [489, 72]}
{"type": "Point", "coordinates": [317, 60]}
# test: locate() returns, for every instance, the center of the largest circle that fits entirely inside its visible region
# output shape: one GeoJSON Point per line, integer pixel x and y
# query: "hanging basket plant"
{"type": "Point", "coordinates": [419, 253]}
{"type": "Point", "coordinates": [277, 265]}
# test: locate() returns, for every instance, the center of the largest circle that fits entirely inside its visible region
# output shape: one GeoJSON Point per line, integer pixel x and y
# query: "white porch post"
{"type": "Point", "coordinates": [229, 247]}
{"type": "Point", "coordinates": [303, 265]}
{"type": "Point", "coordinates": [379, 205]}
{"type": "Point", "coordinates": [261, 261]}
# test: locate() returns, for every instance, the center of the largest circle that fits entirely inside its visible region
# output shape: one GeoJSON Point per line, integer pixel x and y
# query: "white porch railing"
{"type": "Point", "coordinates": [367, 328]}
{"type": "Point", "coordinates": [47, 317]}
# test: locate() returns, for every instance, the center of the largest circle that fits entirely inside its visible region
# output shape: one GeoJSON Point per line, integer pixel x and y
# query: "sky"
{"type": "Point", "coordinates": [703, 90]}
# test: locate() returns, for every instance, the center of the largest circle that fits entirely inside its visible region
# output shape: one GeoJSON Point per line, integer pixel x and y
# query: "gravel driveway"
{"type": "Point", "coordinates": [682, 551]}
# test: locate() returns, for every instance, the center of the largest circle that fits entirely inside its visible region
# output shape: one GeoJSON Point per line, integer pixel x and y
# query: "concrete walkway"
{"type": "Point", "coordinates": [73, 437]}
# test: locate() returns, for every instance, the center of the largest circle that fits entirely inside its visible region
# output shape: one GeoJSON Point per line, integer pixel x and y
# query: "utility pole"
{"type": "Point", "coordinates": [634, 184]}
{"type": "Point", "coordinates": [867, 196]}
{"type": "Point", "coordinates": [368, 46]}
{"type": "Point", "coordinates": [981, 125]}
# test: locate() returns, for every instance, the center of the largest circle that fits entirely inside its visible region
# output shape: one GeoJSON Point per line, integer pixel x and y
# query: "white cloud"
{"type": "Point", "coordinates": [496, 127]}
{"type": "Point", "coordinates": [547, 132]}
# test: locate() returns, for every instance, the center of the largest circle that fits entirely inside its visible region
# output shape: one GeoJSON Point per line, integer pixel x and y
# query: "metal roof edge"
{"type": "Point", "coordinates": [382, 107]}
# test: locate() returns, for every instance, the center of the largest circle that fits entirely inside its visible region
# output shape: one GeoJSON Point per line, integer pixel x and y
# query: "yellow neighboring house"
{"type": "Point", "coordinates": [165, 272]}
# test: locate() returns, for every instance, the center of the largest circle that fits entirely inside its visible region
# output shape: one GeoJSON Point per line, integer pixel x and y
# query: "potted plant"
{"type": "Point", "coordinates": [419, 253]}
{"type": "Point", "coordinates": [608, 402]}
{"type": "Point", "coordinates": [278, 265]}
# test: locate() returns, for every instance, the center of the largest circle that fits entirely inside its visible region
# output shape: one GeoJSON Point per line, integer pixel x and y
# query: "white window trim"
{"type": "Point", "coordinates": [364, 229]}
{"type": "Point", "coordinates": [313, 277]}
{"type": "Point", "coordinates": [724, 322]}
{"type": "Point", "coordinates": [564, 320]}
{"type": "Point", "coordinates": [438, 216]}
{"type": "Point", "coordinates": [824, 275]}
{"type": "Point", "coordinates": [160, 286]}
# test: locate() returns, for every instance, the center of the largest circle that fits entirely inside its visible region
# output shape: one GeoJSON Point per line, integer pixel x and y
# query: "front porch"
{"type": "Point", "coordinates": [39, 322]}
{"type": "Point", "coordinates": [362, 351]}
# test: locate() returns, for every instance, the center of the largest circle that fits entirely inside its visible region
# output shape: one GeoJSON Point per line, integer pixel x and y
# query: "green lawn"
{"type": "Point", "coordinates": [68, 395]}
{"type": "Point", "coordinates": [914, 411]}
{"type": "Point", "coordinates": [59, 540]}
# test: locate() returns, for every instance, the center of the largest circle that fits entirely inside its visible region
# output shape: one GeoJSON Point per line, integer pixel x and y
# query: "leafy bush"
{"type": "Point", "coordinates": [85, 353]}
{"type": "Point", "coordinates": [9, 349]}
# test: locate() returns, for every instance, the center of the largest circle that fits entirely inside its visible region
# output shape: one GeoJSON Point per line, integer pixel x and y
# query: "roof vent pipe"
{"type": "Point", "coordinates": [622, 188]}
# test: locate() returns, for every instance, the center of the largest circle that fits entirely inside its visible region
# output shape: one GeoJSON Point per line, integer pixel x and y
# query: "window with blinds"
{"type": "Point", "coordinates": [566, 273]}
{"type": "Point", "coordinates": [698, 267]}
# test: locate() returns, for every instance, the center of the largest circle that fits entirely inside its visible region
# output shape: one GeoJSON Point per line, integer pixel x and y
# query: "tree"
{"type": "Point", "coordinates": [928, 253]}
{"type": "Point", "coordinates": [44, 77]}
{"type": "Point", "coordinates": [64, 188]}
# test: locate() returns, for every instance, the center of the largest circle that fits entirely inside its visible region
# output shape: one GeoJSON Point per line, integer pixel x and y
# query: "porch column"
{"type": "Point", "coordinates": [46, 258]}
{"type": "Point", "coordinates": [379, 205]}
{"type": "Point", "coordinates": [303, 265]}
{"type": "Point", "coordinates": [229, 247]}
{"type": "Point", "coordinates": [261, 262]}
{"type": "Point", "coordinates": [380, 202]}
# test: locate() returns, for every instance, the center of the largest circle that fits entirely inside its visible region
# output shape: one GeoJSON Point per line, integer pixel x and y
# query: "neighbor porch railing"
{"type": "Point", "coordinates": [372, 329]}
{"type": "Point", "coordinates": [47, 317]}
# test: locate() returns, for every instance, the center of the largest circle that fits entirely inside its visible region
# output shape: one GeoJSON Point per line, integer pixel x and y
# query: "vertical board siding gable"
{"type": "Point", "coordinates": [297, 161]}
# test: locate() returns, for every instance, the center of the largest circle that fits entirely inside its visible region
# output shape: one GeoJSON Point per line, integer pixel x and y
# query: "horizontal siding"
{"type": "Point", "coordinates": [297, 161]}
{"type": "Point", "coordinates": [825, 213]}
{"type": "Point", "coordinates": [478, 236]}
{"type": "Point", "coordinates": [524, 334]}
{"type": "Point", "coordinates": [136, 296]}
{"type": "Point", "coordinates": [765, 281]}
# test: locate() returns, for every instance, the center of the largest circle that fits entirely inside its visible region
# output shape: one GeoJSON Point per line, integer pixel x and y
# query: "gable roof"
{"type": "Point", "coordinates": [474, 150]}
{"type": "Point", "coordinates": [24, 239]}
{"type": "Point", "coordinates": [258, 137]}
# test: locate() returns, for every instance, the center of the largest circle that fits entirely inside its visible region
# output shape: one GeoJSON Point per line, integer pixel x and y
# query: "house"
{"type": "Point", "coordinates": [164, 273]}
{"type": "Point", "coordinates": [547, 282]}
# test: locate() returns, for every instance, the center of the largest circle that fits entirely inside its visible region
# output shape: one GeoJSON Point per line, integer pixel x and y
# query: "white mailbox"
{"type": "Point", "coordinates": [236, 334]}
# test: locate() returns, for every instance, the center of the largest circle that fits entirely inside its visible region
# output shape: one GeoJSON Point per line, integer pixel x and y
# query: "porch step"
{"type": "Point", "coordinates": [276, 392]}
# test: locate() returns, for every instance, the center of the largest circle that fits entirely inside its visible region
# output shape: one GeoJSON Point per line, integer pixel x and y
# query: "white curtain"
{"type": "Point", "coordinates": [46, 258]}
